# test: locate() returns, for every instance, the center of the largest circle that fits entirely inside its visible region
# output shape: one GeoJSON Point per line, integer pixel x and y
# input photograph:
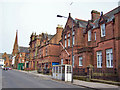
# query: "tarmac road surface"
{"type": "Point", "coordinates": [16, 79]}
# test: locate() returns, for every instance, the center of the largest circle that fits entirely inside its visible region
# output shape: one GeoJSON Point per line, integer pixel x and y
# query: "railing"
{"type": "Point", "coordinates": [105, 74]}
{"type": "Point", "coordinates": [79, 71]}
{"type": "Point", "coordinates": [97, 73]}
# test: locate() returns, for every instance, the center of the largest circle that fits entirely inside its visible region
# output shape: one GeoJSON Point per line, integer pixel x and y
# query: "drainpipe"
{"type": "Point", "coordinates": [114, 46]}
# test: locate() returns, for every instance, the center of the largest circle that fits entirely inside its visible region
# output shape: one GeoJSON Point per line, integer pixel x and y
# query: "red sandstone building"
{"type": "Point", "coordinates": [7, 59]}
{"type": "Point", "coordinates": [96, 42]}
{"type": "Point", "coordinates": [78, 26]}
{"type": "Point", "coordinates": [49, 50]}
{"type": "Point", "coordinates": [45, 49]}
{"type": "Point", "coordinates": [34, 43]}
{"type": "Point", "coordinates": [20, 59]}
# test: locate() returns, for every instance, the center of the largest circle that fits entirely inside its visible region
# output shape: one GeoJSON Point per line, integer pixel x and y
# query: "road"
{"type": "Point", "coordinates": [0, 79]}
{"type": "Point", "coordinates": [17, 79]}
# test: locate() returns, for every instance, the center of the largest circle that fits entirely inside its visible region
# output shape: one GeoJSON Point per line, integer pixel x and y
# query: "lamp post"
{"type": "Point", "coordinates": [72, 44]}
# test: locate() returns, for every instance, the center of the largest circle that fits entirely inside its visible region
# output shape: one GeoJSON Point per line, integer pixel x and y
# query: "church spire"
{"type": "Point", "coordinates": [16, 38]}
{"type": "Point", "coordinates": [15, 48]}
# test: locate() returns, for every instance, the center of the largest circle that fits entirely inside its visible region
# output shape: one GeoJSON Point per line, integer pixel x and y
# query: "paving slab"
{"type": "Point", "coordinates": [95, 85]}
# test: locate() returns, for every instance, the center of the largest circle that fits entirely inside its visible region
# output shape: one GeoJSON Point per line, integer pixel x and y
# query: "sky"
{"type": "Point", "coordinates": [39, 16]}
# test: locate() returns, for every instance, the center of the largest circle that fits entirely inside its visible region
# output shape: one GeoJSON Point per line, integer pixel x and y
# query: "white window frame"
{"type": "Point", "coordinates": [65, 43]}
{"type": "Point", "coordinates": [99, 59]}
{"type": "Point", "coordinates": [80, 61]}
{"type": "Point", "coordinates": [69, 35]}
{"type": "Point", "coordinates": [73, 33]}
{"type": "Point", "coordinates": [61, 61]}
{"type": "Point", "coordinates": [73, 40]}
{"type": "Point", "coordinates": [89, 35]}
{"type": "Point", "coordinates": [73, 37]}
{"type": "Point", "coordinates": [95, 36]}
{"type": "Point", "coordinates": [109, 58]}
{"type": "Point", "coordinates": [68, 41]}
{"type": "Point", "coordinates": [65, 37]}
{"type": "Point", "coordinates": [102, 30]}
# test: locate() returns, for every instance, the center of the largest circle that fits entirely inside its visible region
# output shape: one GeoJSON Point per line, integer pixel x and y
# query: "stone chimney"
{"type": "Point", "coordinates": [94, 15]}
{"type": "Point", "coordinates": [59, 29]}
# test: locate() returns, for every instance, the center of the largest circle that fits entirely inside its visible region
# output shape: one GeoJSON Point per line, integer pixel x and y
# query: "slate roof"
{"type": "Point", "coordinates": [50, 36]}
{"type": "Point", "coordinates": [23, 49]}
{"type": "Point", "coordinates": [46, 36]}
{"type": "Point", "coordinates": [114, 11]}
{"type": "Point", "coordinates": [108, 17]}
{"type": "Point", "coordinates": [81, 23]}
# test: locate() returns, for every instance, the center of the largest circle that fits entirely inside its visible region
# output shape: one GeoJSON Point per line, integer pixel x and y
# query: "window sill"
{"type": "Point", "coordinates": [110, 67]}
{"type": "Point", "coordinates": [103, 36]}
{"type": "Point", "coordinates": [68, 46]}
{"type": "Point", "coordinates": [99, 67]}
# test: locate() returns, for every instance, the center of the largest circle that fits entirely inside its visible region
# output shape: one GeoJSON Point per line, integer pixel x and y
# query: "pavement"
{"type": "Point", "coordinates": [92, 85]}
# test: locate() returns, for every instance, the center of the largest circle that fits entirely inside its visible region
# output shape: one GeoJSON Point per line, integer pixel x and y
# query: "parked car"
{"type": "Point", "coordinates": [5, 68]}
{"type": "Point", "coordinates": [9, 68]}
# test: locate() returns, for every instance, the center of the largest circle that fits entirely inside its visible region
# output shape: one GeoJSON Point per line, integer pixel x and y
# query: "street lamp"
{"type": "Point", "coordinates": [72, 43]}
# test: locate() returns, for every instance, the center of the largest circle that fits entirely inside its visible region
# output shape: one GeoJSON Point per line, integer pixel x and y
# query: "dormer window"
{"type": "Point", "coordinates": [73, 40]}
{"type": "Point", "coordinates": [65, 41]}
{"type": "Point", "coordinates": [73, 33]}
{"type": "Point", "coordinates": [102, 30]}
{"type": "Point", "coordinates": [95, 36]}
{"type": "Point", "coordinates": [73, 37]}
{"type": "Point", "coordinates": [89, 35]}
{"type": "Point", "coordinates": [65, 37]}
{"type": "Point", "coordinates": [69, 39]}
{"type": "Point", "coordinates": [69, 35]}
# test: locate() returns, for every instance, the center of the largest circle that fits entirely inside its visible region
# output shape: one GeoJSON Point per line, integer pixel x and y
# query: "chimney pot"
{"type": "Point", "coordinates": [94, 15]}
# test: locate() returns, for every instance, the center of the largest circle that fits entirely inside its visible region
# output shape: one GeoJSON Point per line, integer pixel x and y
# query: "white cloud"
{"type": "Point", "coordinates": [40, 16]}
